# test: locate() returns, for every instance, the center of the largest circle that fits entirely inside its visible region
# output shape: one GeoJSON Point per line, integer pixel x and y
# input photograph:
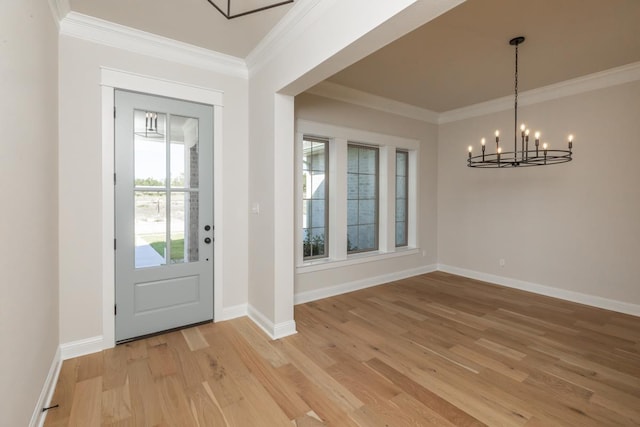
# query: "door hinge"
{"type": "Point", "coordinates": [115, 309]}
{"type": "Point", "coordinates": [114, 244]}
{"type": "Point", "coordinates": [114, 179]}
{"type": "Point", "coordinates": [114, 112]}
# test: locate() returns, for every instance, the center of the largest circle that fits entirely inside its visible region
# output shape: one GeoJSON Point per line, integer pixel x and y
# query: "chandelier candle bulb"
{"type": "Point", "coordinates": [470, 150]}
{"type": "Point", "coordinates": [570, 142]}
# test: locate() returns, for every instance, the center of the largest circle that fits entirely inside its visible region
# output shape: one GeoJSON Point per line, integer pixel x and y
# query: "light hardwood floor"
{"type": "Point", "coordinates": [435, 349]}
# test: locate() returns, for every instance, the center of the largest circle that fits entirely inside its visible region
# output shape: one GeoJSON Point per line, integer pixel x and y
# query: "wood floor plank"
{"type": "Point", "coordinates": [87, 403]}
{"type": "Point", "coordinates": [194, 338]}
{"type": "Point", "coordinates": [116, 403]}
{"type": "Point", "coordinates": [434, 349]}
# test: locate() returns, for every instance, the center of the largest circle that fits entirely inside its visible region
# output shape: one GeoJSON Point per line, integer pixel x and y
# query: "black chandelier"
{"type": "Point", "coordinates": [239, 8]}
{"type": "Point", "coordinates": [538, 156]}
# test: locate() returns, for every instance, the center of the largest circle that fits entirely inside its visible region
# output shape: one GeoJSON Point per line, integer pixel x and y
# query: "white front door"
{"type": "Point", "coordinates": [164, 214]}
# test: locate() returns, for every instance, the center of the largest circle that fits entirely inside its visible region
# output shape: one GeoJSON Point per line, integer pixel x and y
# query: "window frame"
{"type": "Point", "coordinates": [376, 220]}
{"type": "Point", "coordinates": [327, 194]}
{"type": "Point", "coordinates": [339, 137]}
{"type": "Point", "coordinates": [405, 243]}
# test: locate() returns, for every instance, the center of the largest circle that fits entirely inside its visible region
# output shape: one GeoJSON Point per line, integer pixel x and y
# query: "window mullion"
{"type": "Point", "coordinates": [387, 198]}
{"type": "Point", "coordinates": [338, 199]}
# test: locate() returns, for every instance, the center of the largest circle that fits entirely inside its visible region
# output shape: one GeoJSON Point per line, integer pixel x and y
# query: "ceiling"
{"type": "Point", "coordinates": [463, 57]}
{"type": "Point", "coordinates": [458, 59]}
{"type": "Point", "coordinates": [195, 22]}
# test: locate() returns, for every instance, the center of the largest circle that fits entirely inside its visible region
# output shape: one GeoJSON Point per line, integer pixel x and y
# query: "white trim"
{"type": "Point", "coordinates": [59, 9]}
{"type": "Point", "coordinates": [108, 215]}
{"type": "Point", "coordinates": [343, 288]}
{"type": "Point", "coordinates": [38, 417]}
{"type": "Point", "coordinates": [612, 77]}
{"type": "Point", "coordinates": [111, 79]}
{"type": "Point", "coordinates": [285, 31]}
{"type": "Point", "coordinates": [354, 259]}
{"type": "Point", "coordinates": [130, 39]}
{"type": "Point", "coordinates": [274, 331]}
{"type": "Point", "coordinates": [218, 211]}
{"type": "Point", "coordinates": [346, 94]}
{"type": "Point", "coordinates": [82, 347]}
{"type": "Point", "coordinates": [563, 294]}
{"type": "Point", "coordinates": [329, 131]}
{"type": "Point", "coordinates": [284, 329]}
{"type": "Point", "coordinates": [234, 312]}
{"type": "Point", "coordinates": [147, 84]}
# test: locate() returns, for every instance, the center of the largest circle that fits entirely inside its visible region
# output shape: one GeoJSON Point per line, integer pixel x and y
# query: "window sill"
{"type": "Point", "coordinates": [354, 259]}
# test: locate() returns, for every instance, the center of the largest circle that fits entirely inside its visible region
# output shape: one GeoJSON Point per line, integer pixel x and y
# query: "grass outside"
{"type": "Point", "coordinates": [156, 241]}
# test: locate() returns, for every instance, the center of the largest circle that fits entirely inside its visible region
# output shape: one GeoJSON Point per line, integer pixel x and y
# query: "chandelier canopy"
{"type": "Point", "coordinates": [236, 8]}
{"type": "Point", "coordinates": [536, 156]}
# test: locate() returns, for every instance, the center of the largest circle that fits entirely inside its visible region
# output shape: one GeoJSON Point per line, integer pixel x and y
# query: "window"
{"type": "Point", "coordinates": [362, 198]}
{"type": "Point", "coordinates": [370, 212]}
{"type": "Point", "coordinates": [315, 197]}
{"type": "Point", "coordinates": [402, 199]}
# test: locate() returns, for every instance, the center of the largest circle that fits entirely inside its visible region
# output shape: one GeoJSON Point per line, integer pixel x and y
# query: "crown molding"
{"type": "Point", "coordinates": [286, 30]}
{"type": "Point", "coordinates": [59, 9]}
{"type": "Point", "coordinates": [346, 94]}
{"type": "Point", "coordinates": [115, 35]}
{"type": "Point", "coordinates": [612, 77]}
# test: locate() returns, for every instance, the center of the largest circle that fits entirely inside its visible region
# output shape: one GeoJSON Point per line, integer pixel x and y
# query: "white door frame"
{"type": "Point", "coordinates": [111, 79]}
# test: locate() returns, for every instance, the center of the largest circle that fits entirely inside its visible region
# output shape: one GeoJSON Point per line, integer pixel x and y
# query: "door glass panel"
{"type": "Point", "coordinates": [165, 170]}
{"type": "Point", "coordinates": [150, 228]}
{"type": "Point", "coordinates": [184, 227]}
{"type": "Point", "coordinates": [150, 150]}
{"type": "Point", "coordinates": [184, 152]}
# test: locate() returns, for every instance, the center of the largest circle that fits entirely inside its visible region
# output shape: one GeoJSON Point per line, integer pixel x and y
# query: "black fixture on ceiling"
{"type": "Point", "coordinates": [225, 7]}
{"type": "Point", "coordinates": [536, 156]}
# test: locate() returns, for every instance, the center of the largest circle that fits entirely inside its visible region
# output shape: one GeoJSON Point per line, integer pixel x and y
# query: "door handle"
{"type": "Point", "coordinates": [207, 240]}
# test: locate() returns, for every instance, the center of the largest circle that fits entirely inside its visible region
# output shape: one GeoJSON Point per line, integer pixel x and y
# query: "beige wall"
{"type": "Point", "coordinates": [275, 79]}
{"type": "Point", "coordinates": [573, 227]}
{"type": "Point", "coordinates": [28, 208]}
{"type": "Point", "coordinates": [324, 110]}
{"type": "Point", "coordinates": [81, 303]}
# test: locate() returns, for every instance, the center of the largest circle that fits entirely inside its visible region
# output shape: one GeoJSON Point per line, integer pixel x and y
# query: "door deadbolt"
{"type": "Point", "coordinates": [207, 240]}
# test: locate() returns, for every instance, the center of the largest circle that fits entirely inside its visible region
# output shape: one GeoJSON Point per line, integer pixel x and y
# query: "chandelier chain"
{"type": "Point", "coordinates": [515, 122]}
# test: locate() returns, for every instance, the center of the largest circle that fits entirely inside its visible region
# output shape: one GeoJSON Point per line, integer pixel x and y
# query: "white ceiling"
{"type": "Point", "coordinates": [195, 22]}
{"type": "Point", "coordinates": [459, 59]}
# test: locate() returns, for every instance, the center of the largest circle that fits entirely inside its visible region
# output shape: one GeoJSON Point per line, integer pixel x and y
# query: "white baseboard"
{"type": "Point", "coordinates": [234, 312]}
{"type": "Point", "coordinates": [284, 329]}
{"type": "Point", "coordinates": [38, 417]}
{"type": "Point", "coordinates": [592, 300]}
{"type": "Point", "coordinates": [343, 288]}
{"type": "Point", "coordinates": [82, 347]}
{"type": "Point", "coordinates": [275, 331]}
